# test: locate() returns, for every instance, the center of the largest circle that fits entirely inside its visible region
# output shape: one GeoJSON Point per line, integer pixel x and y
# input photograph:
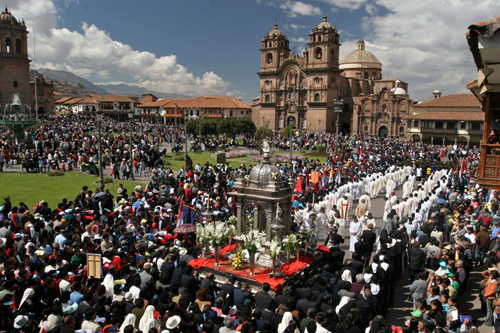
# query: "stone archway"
{"type": "Point", "coordinates": [383, 131]}
{"type": "Point", "coordinates": [345, 128]}
{"type": "Point", "coordinates": [291, 121]}
{"type": "Point", "coordinates": [416, 137]}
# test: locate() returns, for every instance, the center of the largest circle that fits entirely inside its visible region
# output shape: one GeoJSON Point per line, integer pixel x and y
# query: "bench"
{"type": "Point", "coordinates": [30, 167]}
{"type": "Point", "coordinates": [91, 169]}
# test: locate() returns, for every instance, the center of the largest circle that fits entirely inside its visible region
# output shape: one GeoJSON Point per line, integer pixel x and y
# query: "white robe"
{"type": "Point", "coordinates": [354, 230]}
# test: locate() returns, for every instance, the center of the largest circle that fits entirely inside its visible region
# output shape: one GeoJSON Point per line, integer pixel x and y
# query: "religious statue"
{"type": "Point", "coordinates": [265, 147]}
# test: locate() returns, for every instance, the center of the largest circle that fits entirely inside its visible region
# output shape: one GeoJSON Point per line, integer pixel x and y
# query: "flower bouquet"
{"type": "Point", "coordinates": [232, 220]}
{"type": "Point", "coordinates": [253, 242]}
{"type": "Point", "coordinates": [274, 253]}
{"type": "Point", "coordinates": [238, 259]}
{"type": "Point", "coordinates": [291, 243]}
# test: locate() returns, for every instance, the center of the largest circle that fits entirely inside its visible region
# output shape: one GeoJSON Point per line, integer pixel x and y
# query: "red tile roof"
{"type": "Point", "coordinates": [201, 102]}
{"type": "Point", "coordinates": [452, 100]}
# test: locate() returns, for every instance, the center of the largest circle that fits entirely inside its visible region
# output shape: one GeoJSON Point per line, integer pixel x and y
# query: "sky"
{"type": "Point", "coordinates": [211, 47]}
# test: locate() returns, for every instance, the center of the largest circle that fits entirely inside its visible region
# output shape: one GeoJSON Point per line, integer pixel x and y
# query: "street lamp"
{"type": "Point", "coordinates": [98, 114]}
{"type": "Point", "coordinates": [186, 114]}
{"type": "Point", "coordinates": [130, 117]}
{"type": "Point", "coordinates": [338, 107]}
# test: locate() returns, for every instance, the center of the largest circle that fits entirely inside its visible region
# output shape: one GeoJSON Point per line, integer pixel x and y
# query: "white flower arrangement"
{"type": "Point", "coordinates": [253, 240]}
{"type": "Point", "coordinates": [291, 242]}
{"type": "Point", "coordinates": [230, 230]}
{"type": "Point", "coordinates": [217, 232]}
{"type": "Point", "coordinates": [275, 248]}
{"type": "Point", "coordinates": [232, 220]}
{"type": "Point", "coordinates": [201, 235]}
{"type": "Point", "coordinates": [307, 233]}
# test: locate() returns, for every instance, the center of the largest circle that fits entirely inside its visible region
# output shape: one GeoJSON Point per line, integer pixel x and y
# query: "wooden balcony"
{"type": "Point", "coordinates": [489, 171]}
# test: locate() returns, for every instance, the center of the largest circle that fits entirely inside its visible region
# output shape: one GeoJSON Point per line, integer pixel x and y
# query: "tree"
{"type": "Point", "coordinates": [286, 132]}
{"type": "Point", "coordinates": [245, 126]}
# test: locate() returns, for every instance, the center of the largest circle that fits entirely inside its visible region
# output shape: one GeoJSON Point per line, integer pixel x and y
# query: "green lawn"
{"type": "Point", "coordinates": [205, 156]}
{"type": "Point", "coordinates": [31, 188]}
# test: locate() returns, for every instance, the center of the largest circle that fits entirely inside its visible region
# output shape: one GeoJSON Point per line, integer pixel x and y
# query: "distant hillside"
{"type": "Point", "coordinates": [136, 91]}
{"type": "Point", "coordinates": [68, 78]}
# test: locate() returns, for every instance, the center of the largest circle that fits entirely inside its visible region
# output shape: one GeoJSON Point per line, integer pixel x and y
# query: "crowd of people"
{"type": "Point", "coordinates": [441, 227]}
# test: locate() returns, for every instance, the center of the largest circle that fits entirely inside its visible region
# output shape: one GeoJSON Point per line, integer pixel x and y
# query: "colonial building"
{"type": "Point", "coordinates": [172, 110]}
{"type": "Point", "coordinates": [14, 62]}
{"type": "Point", "coordinates": [455, 118]}
{"type": "Point", "coordinates": [316, 92]}
{"type": "Point", "coordinates": [111, 105]}
{"type": "Point", "coordinates": [45, 94]}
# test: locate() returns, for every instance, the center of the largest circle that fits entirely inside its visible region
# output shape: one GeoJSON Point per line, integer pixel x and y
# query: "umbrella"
{"type": "Point", "coordinates": [440, 201]}
{"type": "Point", "coordinates": [100, 194]}
{"type": "Point", "coordinates": [185, 228]}
{"type": "Point", "coordinates": [137, 203]}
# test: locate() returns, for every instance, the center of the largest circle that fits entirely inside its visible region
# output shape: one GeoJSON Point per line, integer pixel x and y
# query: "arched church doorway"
{"type": "Point", "coordinates": [291, 122]}
{"type": "Point", "coordinates": [383, 131]}
{"type": "Point", "coordinates": [345, 128]}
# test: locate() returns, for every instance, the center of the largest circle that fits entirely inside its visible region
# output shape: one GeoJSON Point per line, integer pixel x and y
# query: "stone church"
{"type": "Point", "coordinates": [316, 92]}
{"type": "Point", "coordinates": [15, 68]}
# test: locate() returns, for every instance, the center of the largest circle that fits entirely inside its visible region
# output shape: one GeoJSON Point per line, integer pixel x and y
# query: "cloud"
{"type": "Point", "coordinates": [426, 48]}
{"type": "Point", "coordinates": [299, 40]}
{"type": "Point", "coordinates": [293, 8]}
{"type": "Point", "coordinates": [347, 4]}
{"type": "Point", "coordinates": [93, 54]}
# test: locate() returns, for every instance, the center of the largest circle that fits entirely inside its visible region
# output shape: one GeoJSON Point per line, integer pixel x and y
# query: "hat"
{"type": "Point", "coordinates": [447, 271]}
{"type": "Point", "coordinates": [38, 216]}
{"type": "Point", "coordinates": [233, 310]}
{"type": "Point", "coordinates": [20, 321]}
{"type": "Point", "coordinates": [70, 309]}
{"type": "Point", "coordinates": [128, 296]}
{"type": "Point", "coordinates": [442, 264]}
{"type": "Point", "coordinates": [173, 322]}
{"type": "Point", "coordinates": [451, 275]}
{"type": "Point", "coordinates": [416, 314]}
{"type": "Point", "coordinates": [3, 241]}
{"type": "Point", "coordinates": [144, 221]}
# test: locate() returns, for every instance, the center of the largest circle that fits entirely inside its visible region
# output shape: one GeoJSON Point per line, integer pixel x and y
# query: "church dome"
{"type": "Point", "coordinates": [398, 90]}
{"type": "Point", "coordinates": [7, 17]}
{"type": "Point", "coordinates": [325, 25]}
{"type": "Point", "coordinates": [265, 173]}
{"type": "Point", "coordinates": [275, 33]}
{"type": "Point", "coordinates": [360, 59]}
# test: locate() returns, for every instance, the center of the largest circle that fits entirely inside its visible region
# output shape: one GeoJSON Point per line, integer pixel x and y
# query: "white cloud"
{"type": "Point", "coordinates": [348, 4]}
{"type": "Point", "coordinates": [92, 53]}
{"type": "Point", "coordinates": [423, 42]}
{"type": "Point", "coordinates": [299, 40]}
{"type": "Point", "coordinates": [294, 8]}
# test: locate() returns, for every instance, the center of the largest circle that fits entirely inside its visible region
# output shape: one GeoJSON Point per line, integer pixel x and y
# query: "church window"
{"type": "Point", "coordinates": [319, 53]}
{"type": "Point", "coordinates": [268, 98]}
{"type": "Point", "coordinates": [401, 129]}
{"type": "Point", "coordinates": [365, 128]}
{"type": "Point", "coordinates": [18, 46]}
{"type": "Point", "coordinates": [415, 123]}
{"type": "Point", "coordinates": [317, 97]}
{"type": "Point", "coordinates": [319, 38]}
{"type": "Point", "coordinates": [384, 108]}
{"type": "Point", "coordinates": [269, 58]}
{"type": "Point", "coordinates": [332, 55]}
{"type": "Point", "coordinates": [292, 94]}
{"type": "Point", "coordinates": [317, 79]}
{"type": "Point", "coordinates": [8, 45]}
{"type": "Point", "coordinates": [268, 82]}
{"type": "Point", "coordinates": [14, 84]}
{"type": "Point", "coordinates": [374, 75]}
{"type": "Point", "coordinates": [366, 75]}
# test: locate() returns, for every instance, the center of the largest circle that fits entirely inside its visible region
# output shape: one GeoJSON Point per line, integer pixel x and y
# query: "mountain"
{"type": "Point", "coordinates": [72, 79]}
{"type": "Point", "coordinates": [136, 91]}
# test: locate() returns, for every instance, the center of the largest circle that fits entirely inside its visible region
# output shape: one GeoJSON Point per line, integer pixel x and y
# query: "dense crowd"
{"type": "Point", "coordinates": [442, 226]}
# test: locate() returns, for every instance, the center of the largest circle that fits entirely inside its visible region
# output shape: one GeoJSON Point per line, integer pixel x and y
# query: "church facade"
{"type": "Point", "coordinates": [14, 62]}
{"type": "Point", "coordinates": [316, 92]}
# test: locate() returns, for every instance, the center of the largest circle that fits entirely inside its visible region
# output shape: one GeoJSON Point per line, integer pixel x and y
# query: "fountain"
{"type": "Point", "coordinates": [17, 117]}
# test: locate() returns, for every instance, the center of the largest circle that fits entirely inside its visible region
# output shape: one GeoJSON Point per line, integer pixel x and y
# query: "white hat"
{"type": "Point", "coordinates": [172, 322]}
{"type": "Point", "coordinates": [20, 321]}
{"type": "Point", "coordinates": [128, 296]}
{"type": "Point", "coordinates": [3, 241]}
